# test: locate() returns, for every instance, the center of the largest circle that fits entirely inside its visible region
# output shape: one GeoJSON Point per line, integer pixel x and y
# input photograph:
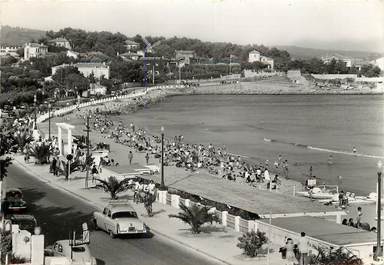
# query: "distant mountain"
{"type": "Point", "coordinates": [306, 53]}
{"type": "Point", "coordinates": [17, 36]}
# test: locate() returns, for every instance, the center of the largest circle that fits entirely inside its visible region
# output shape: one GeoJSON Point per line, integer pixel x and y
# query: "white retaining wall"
{"type": "Point", "coordinates": [136, 94]}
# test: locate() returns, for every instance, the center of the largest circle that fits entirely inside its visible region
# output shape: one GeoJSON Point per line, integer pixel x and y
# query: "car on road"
{"type": "Point", "coordinates": [25, 222]}
{"type": "Point", "coordinates": [78, 254]}
{"type": "Point", "coordinates": [13, 202]}
{"type": "Point", "coordinates": [119, 218]}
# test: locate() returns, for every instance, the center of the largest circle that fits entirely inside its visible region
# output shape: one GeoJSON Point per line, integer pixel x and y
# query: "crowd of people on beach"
{"type": "Point", "coordinates": [216, 160]}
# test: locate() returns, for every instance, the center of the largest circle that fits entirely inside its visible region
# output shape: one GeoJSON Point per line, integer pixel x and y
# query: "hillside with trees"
{"type": "Point", "coordinates": [16, 36]}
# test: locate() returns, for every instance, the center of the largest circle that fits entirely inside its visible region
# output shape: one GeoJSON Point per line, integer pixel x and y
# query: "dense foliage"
{"type": "Point", "coordinates": [83, 41]}
{"type": "Point", "coordinates": [71, 79]}
{"type": "Point", "coordinates": [317, 66]}
{"type": "Point", "coordinates": [252, 242]}
{"type": "Point", "coordinates": [339, 256]}
{"type": "Point", "coordinates": [41, 152]}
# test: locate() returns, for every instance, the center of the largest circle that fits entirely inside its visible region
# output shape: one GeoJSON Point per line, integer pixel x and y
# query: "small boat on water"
{"type": "Point", "coordinates": [317, 194]}
{"type": "Point", "coordinates": [352, 199]}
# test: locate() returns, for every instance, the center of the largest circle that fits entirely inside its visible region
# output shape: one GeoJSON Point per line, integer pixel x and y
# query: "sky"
{"type": "Point", "coordinates": [329, 24]}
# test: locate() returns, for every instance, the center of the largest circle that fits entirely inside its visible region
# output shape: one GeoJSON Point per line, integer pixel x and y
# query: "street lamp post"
{"type": "Point", "coordinates": [162, 185]}
{"type": "Point", "coordinates": [49, 122]}
{"type": "Point", "coordinates": [378, 249]}
{"type": "Point", "coordinates": [35, 104]}
{"type": "Point", "coordinates": [87, 157]}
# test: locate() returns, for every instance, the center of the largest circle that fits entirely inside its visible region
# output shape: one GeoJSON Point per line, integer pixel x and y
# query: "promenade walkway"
{"type": "Point", "coordinates": [217, 242]}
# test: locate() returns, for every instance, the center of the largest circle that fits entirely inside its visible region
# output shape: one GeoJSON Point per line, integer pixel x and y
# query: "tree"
{"type": "Point", "coordinates": [41, 152]}
{"type": "Point", "coordinates": [5, 244]}
{"type": "Point", "coordinates": [369, 70]}
{"type": "Point", "coordinates": [339, 256]}
{"type": "Point", "coordinates": [6, 140]}
{"type": "Point", "coordinates": [21, 139]}
{"type": "Point", "coordinates": [195, 216]}
{"type": "Point", "coordinates": [73, 167]}
{"type": "Point", "coordinates": [252, 242]}
{"type": "Point", "coordinates": [113, 186]}
{"type": "Point", "coordinates": [5, 162]}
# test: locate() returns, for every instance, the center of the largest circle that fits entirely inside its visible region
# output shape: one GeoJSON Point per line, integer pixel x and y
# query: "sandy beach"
{"type": "Point", "coordinates": [126, 106]}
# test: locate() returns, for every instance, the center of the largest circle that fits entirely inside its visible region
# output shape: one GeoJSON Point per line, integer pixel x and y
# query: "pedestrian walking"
{"type": "Point", "coordinates": [147, 158]}
{"type": "Point", "coordinates": [290, 254]}
{"type": "Point", "coordinates": [303, 248]}
{"type": "Point", "coordinates": [130, 157]}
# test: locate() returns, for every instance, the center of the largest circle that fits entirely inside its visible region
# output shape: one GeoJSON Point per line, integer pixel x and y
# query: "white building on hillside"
{"type": "Point", "coordinates": [34, 50]}
{"type": "Point", "coordinates": [8, 50]}
{"type": "Point", "coordinates": [131, 45]}
{"type": "Point", "coordinates": [61, 42]}
{"type": "Point", "coordinates": [98, 69]}
{"type": "Point", "coordinates": [328, 60]}
{"type": "Point", "coordinates": [255, 56]}
{"type": "Point", "coordinates": [72, 54]}
{"type": "Point", "coordinates": [379, 62]}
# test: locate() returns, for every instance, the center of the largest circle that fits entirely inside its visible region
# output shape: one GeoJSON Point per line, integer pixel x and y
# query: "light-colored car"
{"type": "Point", "coordinates": [119, 218]}
{"type": "Point", "coordinates": [79, 254]}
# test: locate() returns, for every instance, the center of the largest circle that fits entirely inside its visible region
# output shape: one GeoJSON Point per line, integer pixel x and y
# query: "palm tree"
{"type": "Point", "coordinates": [113, 186]}
{"type": "Point", "coordinates": [41, 152]}
{"type": "Point", "coordinates": [195, 216]}
{"type": "Point", "coordinates": [74, 166]}
{"type": "Point", "coordinates": [21, 139]}
{"type": "Point", "coordinates": [340, 256]}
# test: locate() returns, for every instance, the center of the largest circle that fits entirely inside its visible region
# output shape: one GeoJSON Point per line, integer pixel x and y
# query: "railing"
{"type": "Point", "coordinates": [231, 221]}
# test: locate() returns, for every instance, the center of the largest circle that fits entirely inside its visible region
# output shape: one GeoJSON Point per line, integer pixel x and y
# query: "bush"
{"type": "Point", "coordinates": [252, 242]}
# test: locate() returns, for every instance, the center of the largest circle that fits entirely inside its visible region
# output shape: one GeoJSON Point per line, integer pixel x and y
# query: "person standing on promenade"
{"type": "Point", "coordinates": [285, 168]}
{"type": "Point", "coordinates": [147, 157]}
{"type": "Point", "coordinates": [359, 215]}
{"type": "Point", "coordinates": [303, 248]}
{"type": "Point", "coordinates": [130, 157]}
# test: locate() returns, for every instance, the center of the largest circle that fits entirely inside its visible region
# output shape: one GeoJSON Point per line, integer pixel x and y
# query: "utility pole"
{"type": "Point", "coordinates": [179, 74]}
{"type": "Point", "coordinates": [153, 73]}
{"type": "Point", "coordinates": [162, 185]}
{"type": "Point", "coordinates": [230, 58]}
{"type": "Point", "coordinates": [49, 122]}
{"type": "Point", "coordinates": [35, 103]}
{"type": "Point", "coordinates": [87, 157]}
{"type": "Point", "coordinates": [378, 247]}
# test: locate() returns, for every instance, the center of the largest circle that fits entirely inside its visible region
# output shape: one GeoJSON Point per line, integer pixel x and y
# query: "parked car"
{"type": "Point", "coordinates": [25, 222]}
{"type": "Point", "coordinates": [79, 254]}
{"type": "Point", "coordinates": [13, 202]}
{"type": "Point", "coordinates": [119, 218]}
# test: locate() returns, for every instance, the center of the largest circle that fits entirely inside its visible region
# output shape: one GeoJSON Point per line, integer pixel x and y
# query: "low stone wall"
{"type": "Point", "coordinates": [71, 108]}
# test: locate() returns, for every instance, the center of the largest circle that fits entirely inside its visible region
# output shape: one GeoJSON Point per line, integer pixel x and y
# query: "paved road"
{"type": "Point", "coordinates": [58, 213]}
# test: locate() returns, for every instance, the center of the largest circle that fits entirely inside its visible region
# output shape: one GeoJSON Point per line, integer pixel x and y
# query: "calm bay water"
{"type": "Point", "coordinates": [241, 123]}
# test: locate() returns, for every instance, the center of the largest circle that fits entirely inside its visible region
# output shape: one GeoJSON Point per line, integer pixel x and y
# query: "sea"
{"type": "Point", "coordinates": [318, 131]}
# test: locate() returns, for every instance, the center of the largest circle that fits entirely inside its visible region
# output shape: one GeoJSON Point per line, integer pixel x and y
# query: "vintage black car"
{"type": "Point", "coordinates": [13, 202]}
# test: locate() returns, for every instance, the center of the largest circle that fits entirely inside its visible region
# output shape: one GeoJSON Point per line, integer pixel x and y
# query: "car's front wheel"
{"type": "Point", "coordinates": [95, 224]}
{"type": "Point", "coordinates": [111, 234]}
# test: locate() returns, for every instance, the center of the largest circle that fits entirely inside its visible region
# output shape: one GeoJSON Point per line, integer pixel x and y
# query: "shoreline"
{"type": "Point", "coordinates": [157, 96]}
